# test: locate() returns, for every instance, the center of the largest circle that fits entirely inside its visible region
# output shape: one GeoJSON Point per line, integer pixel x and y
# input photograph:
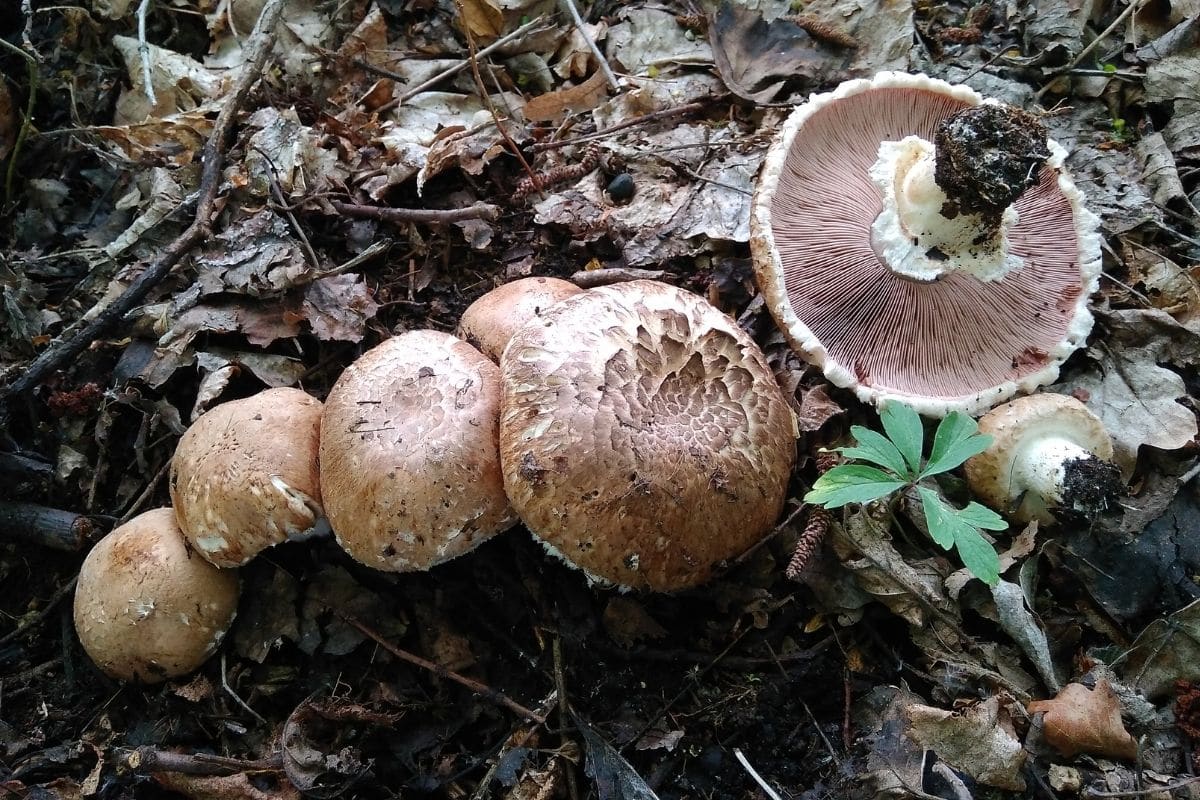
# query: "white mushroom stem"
{"type": "Point", "coordinates": [1042, 467]}
{"type": "Point", "coordinates": [913, 238]}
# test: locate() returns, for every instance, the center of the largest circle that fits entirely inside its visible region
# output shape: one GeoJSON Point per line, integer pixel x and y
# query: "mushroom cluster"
{"type": "Point", "coordinates": [920, 243]}
{"type": "Point", "coordinates": [636, 429]}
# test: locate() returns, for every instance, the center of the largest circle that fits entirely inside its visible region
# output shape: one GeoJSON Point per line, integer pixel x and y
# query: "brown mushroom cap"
{"type": "Point", "coordinates": [959, 341]}
{"type": "Point", "coordinates": [244, 476]}
{"type": "Point", "coordinates": [1031, 437]}
{"type": "Point", "coordinates": [490, 321]}
{"type": "Point", "coordinates": [410, 471]}
{"type": "Point", "coordinates": [146, 607]}
{"type": "Point", "coordinates": [643, 437]}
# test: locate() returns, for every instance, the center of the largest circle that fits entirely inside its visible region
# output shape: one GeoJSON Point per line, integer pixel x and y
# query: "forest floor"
{"type": "Point", "coordinates": [880, 669]}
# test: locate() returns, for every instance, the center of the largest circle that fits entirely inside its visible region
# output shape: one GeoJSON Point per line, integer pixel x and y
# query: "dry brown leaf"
{"type": "Point", "coordinates": [627, 622]}
{"type": "Point", "coordinates": [484, 18]}
{"type": "Point", "coordinates": [338, 308]}
{"type": "Point", "coordinates": [755, 57]}
{"type": "Point", "coordinates": [1082, 720]}
{"type": "Point", "coordinates": [171, 142]}
{"type": "Point", "coordinates": [816, 408]}
{"type": "Point", "coordinates": [978, 740]}
{"type": "Point", "coordinates": [553, 106]}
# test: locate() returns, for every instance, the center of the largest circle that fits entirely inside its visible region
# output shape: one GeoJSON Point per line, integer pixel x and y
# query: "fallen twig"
{"type": "Point", "coordinates": [435, 216]}
{"type": "Point", "coordinates": [483, 690]}
{"type": "Point", "coordinates": [564, 706]}
{"type": "Point", "coordinates": [65, 349]}
{"type": "Point", "coordinates": [762, 784]}
{"type": "Point", "coordinates": [1100, 37]}
{"type": "Point", "coordinates": [1153, 790]}
{"type": "Point", "coordinates": [150, 759]}
{"type": "Point", "coordinates": [528, 27]}
{"type": "Point", "coordinates": [591, 43]}
{"type": "Point", "coordinates": [655, 116]}
{"type": "Point", "coordinates": [51, 604]}
{"type": "Point", "coordinates": [591, 278]}
{"type": "Point", "coordinates": [144, 53]}
{"type": "Point", "coordinates": [487, 98]}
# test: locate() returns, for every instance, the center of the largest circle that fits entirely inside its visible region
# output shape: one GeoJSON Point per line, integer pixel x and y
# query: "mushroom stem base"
{"type": "Point", "coordinates": [1060, 476]}
{"type": "Point", "coordinates": [920, 233]}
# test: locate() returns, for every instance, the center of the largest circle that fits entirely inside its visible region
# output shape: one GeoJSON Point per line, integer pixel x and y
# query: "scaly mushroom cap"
{"type": "Point", "coordinates": [146, 607]}
{"type": "Point", "coordinates": [244, 476]}
{"type": "Point", "coordinates": [1037, 427]}
{"type": "Point", "coordinates": [939, 340]}
{"type": "Point", "coordinates": [490, 321]}
{"type": "Point", "coordinates": [410, 471]}
{"type": "Point", "coordinates": [643, 437]}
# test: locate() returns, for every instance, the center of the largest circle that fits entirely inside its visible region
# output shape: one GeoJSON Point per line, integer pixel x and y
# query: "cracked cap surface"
{"type": "Point", "coordinates": [643, 436]}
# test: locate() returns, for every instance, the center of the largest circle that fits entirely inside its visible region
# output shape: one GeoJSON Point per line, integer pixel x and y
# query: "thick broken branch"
{"type": "Point", "coordinates": [49, 527]}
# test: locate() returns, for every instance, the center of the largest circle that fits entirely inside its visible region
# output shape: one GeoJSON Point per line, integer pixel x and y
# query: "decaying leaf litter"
{"type": "Point", "coordinates": [395, 161]}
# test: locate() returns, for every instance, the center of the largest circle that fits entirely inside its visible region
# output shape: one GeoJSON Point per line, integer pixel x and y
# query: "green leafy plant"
{"type": "Point", "coordinates": [894, 463]}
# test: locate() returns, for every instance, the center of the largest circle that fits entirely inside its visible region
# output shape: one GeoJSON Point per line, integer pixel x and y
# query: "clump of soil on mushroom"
{"type": "Point", "coordinates": [987, 156]}
{"type": "Point", "coordinates": [1089, 485]}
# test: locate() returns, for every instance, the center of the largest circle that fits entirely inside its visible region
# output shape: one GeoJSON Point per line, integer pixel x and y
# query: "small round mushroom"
{"type": "Point", "coordinates": [410, 471]}
{"type": "Point", "coordinates": [490, 321]}
{"type": "Point", "coordinates": [244, 476]}
{"type": "Point", "coordinates": [919, 243]}
{"type": "Point", "coordinates": [146, 607]}
{"type": "Point", "coordinates": [1050, 456]}
{"type": "Point", "coordinates": [643, 437]}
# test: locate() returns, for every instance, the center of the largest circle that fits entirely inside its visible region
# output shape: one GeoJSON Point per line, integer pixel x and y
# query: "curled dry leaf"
{"type": "Point", "coordinates": [756, 58]}
{"type": "Point", "coordinates": [979, 740]}
{"type": "Point", "coordinates": [1082, 720]}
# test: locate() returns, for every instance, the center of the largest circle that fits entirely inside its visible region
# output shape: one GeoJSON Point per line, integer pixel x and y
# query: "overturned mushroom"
{"type": "Point", "coordinates": [410, 472]}
{"type": "Point", "coordinates": [147, 608]}
{"type": "Point", "coordinates": [490, 321]}
{"type": "Point", "coordinates": [922, 244]}
{"type": "Point", "coordinates": [1049, 457]}
{"type": "Point", "coordinates": [244, 476]}
{"type": "Point", "coordinates": [643, 437]}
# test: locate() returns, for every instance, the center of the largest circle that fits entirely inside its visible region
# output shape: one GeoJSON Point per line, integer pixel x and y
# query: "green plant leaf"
{"type": "Point", "coordinates": [982, 517]}
{"type": "Point", "coordinates": [851, 483]}
{"type": "Point", "coordinates": [876, 448]}
{"type": "Point", "coordinates": [950, 527]}
{"type": "Point", "coordinates": [939, 517]}
{"type": "Point", "coordinates": [903, 427]}
{"type": "Point", "coordinates": [978, 556]}
{"type": "Point", "coordinates": [955, 441]}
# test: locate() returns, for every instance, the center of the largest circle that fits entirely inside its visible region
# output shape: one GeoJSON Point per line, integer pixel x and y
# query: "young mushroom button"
{"type": "Point", "coordinates": [146, 607]}
{"type": "Point", "coordinates": [244, 476]}
{"type": "Point", "coordinates": [1050, 457]}
{"type": "Point", "coordinates": [922, 244]}
{"type": "Point", "coordinates": [643, 437]}
{"type": "Point", "coordinates": [410, 471]}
